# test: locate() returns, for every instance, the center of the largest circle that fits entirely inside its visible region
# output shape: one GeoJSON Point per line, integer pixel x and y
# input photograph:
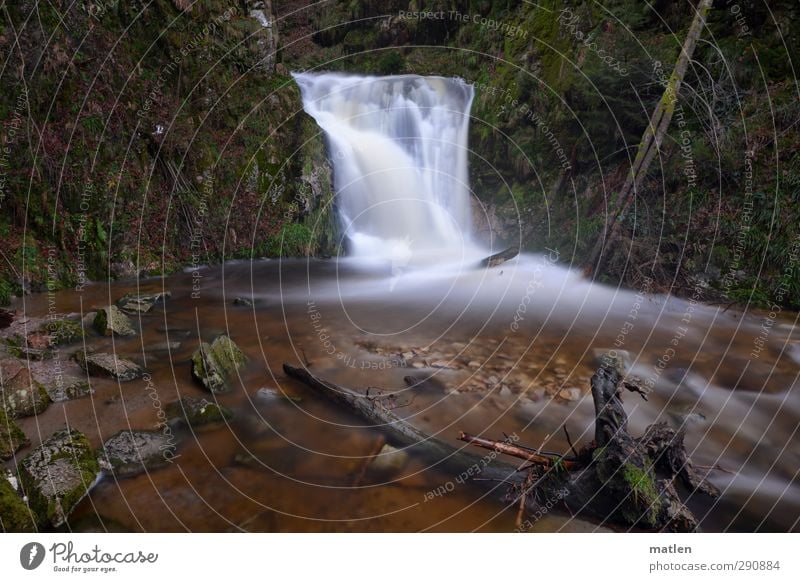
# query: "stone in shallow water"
{"type": "Point", "coordinates": [197, 411]}
{"type": "Point", "coordinates": [58, 474]}
{"type": "Point", "coordinates": [20, 394]}
{"type": "Point", "coordinates": [12, 438]}
{"type": "Point", "coordinates": [389, 461]}
{"type": "Point", "coordinates": [15, 515]}
{"type": "Point", "coordinates": [214, 365]}
{"type": "Point", "coordinates": [134, 303]}
{"type": "Point", "coordinates": [131, 452]}
{"type": "Point", "coordinates": [163, 347]}
{"type": "Point", "coordinates": [68, 389]}
{"type": "Point", "coordinates": [570, 394]}
{"type": "Point", "coordinates": [244, 302]}
{"type": "Point", "coordinates": [102, 364]}
{"type": "Point", "coordinates": [111, 321]}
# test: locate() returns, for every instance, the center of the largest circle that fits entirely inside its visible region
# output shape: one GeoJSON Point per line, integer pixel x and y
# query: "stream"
{"type": "Point", "coordinates": [506, 350]}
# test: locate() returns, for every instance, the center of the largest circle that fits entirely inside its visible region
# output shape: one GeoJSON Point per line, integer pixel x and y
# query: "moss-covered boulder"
{"type": "Point", "coordinates": [57, 475]}
{"type": "Point", "coordinates": [12, 438]}
{"type": "Point", "coordinates": [131, 452]}
{"type": "Point", "coordinates": [15, 515]}
{"type": "Point", "coordinates": [196, 412]}
{"type": "Point", "coordinates": [62, 331]}
{"type": "Point", "coordinates": [110, 365]}
{"type": "Point", "coordinates": [68, 389]}
{"type": "Point", "coordinates": [215, 364]}
{"type": "Point", "coordinates": [134, 303]}
{"type": "Point", "coordinates": [20, 394]}
{"type": "Point", "coordinates": [111, 321]}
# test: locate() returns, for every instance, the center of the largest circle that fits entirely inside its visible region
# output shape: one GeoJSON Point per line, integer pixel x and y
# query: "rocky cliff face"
{"type": "Point", "coordinates": [141, 136]}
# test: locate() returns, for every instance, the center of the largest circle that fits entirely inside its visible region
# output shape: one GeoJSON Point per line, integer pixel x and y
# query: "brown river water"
{"type": "Point", "coordinates": [508, 350]}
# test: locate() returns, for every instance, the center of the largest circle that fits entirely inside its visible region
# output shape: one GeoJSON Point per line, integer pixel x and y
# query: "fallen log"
{"type": "Point", "coordinates": [376, 411]}
{"type": "Point", "coordinates": [500, 258]}
{"type": "Point", "coordinates": [618, 480]}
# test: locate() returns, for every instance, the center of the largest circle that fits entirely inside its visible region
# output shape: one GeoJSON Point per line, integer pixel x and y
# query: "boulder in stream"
{"type": "Point", "coordinates": [20, 394]}
{"type": "Point", "coordinates": [64, 389]}
{"type": "Point", "coordinates": [111, 321]}
{"type": "Point", "coordinates": [57, 475]}
{"type": "Point", "coordinates": [15, 515]}
{"type": "Point", "coordinates": [197, 412]}
{"type": "Point", "coordinates": [215, 364]}
{"type": "Point", "coordinates": [59, 332]}
{"type": "Point", "coordinates": [12, 438]}
{"type": "Point", "coordinates": [131, 452]}
{"type": "Point", "coordinates": [134, 303]}
{"type": "Point", "coordinates": [102, 364]}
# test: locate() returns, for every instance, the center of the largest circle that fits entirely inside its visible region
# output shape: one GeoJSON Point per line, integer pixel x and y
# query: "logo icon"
{"type": "Point", "coordinates": [31, 555]}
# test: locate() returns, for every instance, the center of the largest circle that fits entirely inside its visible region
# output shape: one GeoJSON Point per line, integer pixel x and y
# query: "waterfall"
{"type": "Point", "coordinates": [398, 145]}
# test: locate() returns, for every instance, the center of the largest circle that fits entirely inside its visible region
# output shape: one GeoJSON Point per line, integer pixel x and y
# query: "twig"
{"type": "Point", "coordinates": [569, 441]}
{"type": "Point", "coordinates": [514, 451]}
{"type": "Point", "coordinates": [632, 387]}
{"type": "Point", "coordinates": [374, 452]}
{"type": "Point", "coordinates": [715, 468]}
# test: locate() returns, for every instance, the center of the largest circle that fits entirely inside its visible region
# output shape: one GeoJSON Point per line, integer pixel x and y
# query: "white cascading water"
{"type": "Point", "coordinates": [399, 150]}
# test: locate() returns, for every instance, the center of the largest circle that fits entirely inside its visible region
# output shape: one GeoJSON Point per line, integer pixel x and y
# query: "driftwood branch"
{"type": "Point", "coordinates": [621, 480]}
{"type": "Point", "coordinates": [500, 258]}
{"type": "Point", "coordinates": [515, 451]}
{"type": "Point", "coordinates": [400, 433]}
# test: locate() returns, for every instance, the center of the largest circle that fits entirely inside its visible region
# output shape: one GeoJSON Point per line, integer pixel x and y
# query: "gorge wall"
{"type": "Point", "coordinates": [142, 137]}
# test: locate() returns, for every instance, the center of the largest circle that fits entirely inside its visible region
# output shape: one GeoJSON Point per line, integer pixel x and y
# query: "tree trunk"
{"type": "Point", "coordinates": [651, 141]}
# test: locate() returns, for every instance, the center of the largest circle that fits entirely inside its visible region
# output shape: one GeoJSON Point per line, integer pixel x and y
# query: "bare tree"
{"type": "Point", "coordinates": [652, 138]}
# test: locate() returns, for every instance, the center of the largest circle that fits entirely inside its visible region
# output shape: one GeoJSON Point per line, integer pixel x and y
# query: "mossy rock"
{"type": "Point", "coordinates": [63, 331]}
{"type": "Point", "coordinates": [214, 365]}
{"type": "Point", "coordinates": [57, 475]}
{"type": "Point", "coordinates": [21, 394]}
{"type": "Point", "coordinates": [15, 515]}
{"type": "Point", "coordinates": [197, 412]}
{"type": "Point", "coordinates": [111, 321]}
{"type": "Point", "coordinates": [69, 389]}
{"type": "Point", "coordinates": [102, 364]}
{"type": "Point", "coordinates": [134, 303]}
{"type": "Point", "coordinates": [131, 452]}
{"type": "Point", "coordinates": [12, 438]}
